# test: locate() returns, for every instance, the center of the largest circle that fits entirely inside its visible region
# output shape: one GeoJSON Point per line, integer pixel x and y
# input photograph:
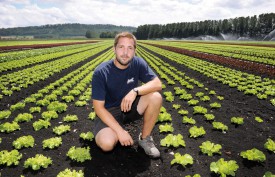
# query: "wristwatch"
{"type": "Point", "coordinates": [135, 90]}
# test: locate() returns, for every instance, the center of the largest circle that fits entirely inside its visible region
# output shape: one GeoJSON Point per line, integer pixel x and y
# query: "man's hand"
{"type": "Point", "coordinates": [125, 138]}
{"type": "Point", "coordinates": [127, 101]}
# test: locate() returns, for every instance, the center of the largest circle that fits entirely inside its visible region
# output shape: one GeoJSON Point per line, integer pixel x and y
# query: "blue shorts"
{"type": "Point", "coordinates": [121, 117]}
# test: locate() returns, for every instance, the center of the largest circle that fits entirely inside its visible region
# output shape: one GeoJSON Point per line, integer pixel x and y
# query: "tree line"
{"type": "Point", "coordinates": [254, 27]}
{"type": "Point", "coordinates": [64, 30]}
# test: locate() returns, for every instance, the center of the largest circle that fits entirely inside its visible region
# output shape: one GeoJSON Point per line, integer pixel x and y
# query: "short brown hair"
{"type": "Point", "coordinates": [125, 34]}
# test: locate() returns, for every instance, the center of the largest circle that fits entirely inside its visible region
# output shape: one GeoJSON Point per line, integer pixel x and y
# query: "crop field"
{"type": "Point", "coordinates": [217, 117]}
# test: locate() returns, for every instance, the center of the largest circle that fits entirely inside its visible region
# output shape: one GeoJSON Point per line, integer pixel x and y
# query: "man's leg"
{"type": "Point", "coordinates": [106, 139]}
{"type": "Point", "coordinates": [149, 105]}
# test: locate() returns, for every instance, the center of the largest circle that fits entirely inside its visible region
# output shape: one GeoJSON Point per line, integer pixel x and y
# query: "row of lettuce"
{"type": "Point", "coordinates": [204, 102]}
{"type": "Point", "coordinates": [48, 103]}
{"type": "Point", "coordinates": [25, 77]}
{"type": "Point", "coordinates": [258, 54]}
{"type": "Point", "coordinates": [250, 84]}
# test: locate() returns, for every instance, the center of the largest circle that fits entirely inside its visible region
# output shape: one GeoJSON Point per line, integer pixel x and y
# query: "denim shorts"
{"type": "Point", "coordinates": [121, 117]}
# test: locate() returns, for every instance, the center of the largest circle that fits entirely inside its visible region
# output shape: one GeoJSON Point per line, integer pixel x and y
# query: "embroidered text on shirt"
{"type": "Point", "coordinates": [130, 80]}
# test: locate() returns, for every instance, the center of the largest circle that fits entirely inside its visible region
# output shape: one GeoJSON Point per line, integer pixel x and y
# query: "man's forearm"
{"type": "Point", "coordinates": [149, 87]}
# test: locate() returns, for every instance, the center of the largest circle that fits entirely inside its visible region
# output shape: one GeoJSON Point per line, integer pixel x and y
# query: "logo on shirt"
{"type": "Point", "coordinates": [130, 80]}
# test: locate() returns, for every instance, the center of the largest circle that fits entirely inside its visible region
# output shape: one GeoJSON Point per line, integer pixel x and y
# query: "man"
{"type": "Point", "coordinates": [117, 98]}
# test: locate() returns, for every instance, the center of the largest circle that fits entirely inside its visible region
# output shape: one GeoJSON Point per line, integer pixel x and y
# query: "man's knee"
{"type": "Point", "coordinates": [106, 145]}
{"type": "Point", "coordinates": [106, 139]}
{"type": "Point", "coordinates": [156, 98]}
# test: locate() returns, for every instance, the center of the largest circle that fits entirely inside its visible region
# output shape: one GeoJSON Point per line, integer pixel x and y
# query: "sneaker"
{"type": "Point", "coordinates": [148, 145]}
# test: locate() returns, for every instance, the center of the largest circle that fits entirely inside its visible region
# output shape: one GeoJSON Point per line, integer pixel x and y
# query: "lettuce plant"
{"type": "Point", "coordinates": [183, 112]}
{"type": "Point", "coordinates": [224, 168]}
{"type": "Point", "coordinates": [199, 110]}
{"type": "Point", "coordinates": [9, 127]}
{"type": "Point", "coordinates": [169, 96]}
{"type": "Point", "coordinates": [79, 154]}
{"type": "Point", "coordinates": [37, 162]}
{"type": "Point", "coordinates": [30, 99]}
{"type": "Point", "coordinates": [215, 105]}
{"type": "Point", "coordinates": [23, 117]}
{"type": "Point", "coordinates": [173, 140]}
{"type": "Point", "coordinates": [176, 106]}
{"type": "Point", "coordinates": [70, 173]}
{"type": "Point", "coordinates": [74, 92]}
{"type": "Point", "coordinates": [258, 119]}
{"type": "Point", "coordinates": [92, 115]}
{"type": "Point", "coordinates": [210, 148]}
{"type": "Point", "coordinates": [219, 126]}
{"type": "Point", "coordinates": [17, 106]}
{"type": "Point", "coordinates": [270, 145]}
{"type": "Point", "coordinates": [87, 136]}
{"type": "Point", "coordinates": [57, 106]}
{"type": "Point", "coordinates": [51, 97]}
{"type": "Point", "coordinates": [5, 114]}
{"type": "Point", "coordinates": [37, 125]}
{"type": "Point", "coordinates": [205, 98]}
{"type": "Point", "coordinates": [43, 102]}
{"type": "Point", "coordinates": [48, 115]}
{"type": "Point", "coordinates": [182, 159]}
{"type": "Point", "coordinates": [23, 141]}
{"type": "Point", "coordinates": [68, 98]}
{"type": "Point", "coordinates": [187, 120]}
{"type": "Point", "coordinates": [35, 109]}
{"type": "Point", "coordinates": [52, 142]}
{"type": "Point", "coordinates": [164, 117]}
{"type": "Point", "coordinates": [192, 102]}
{"type": "Point", "coordinates": [166, 128]}
{"type": "Point", "coordinates": [253, 155]}
{"type": "Point", "coordinates": [186, 96]}
{"type": "Point", "coordinates": [10, 157]}
{"type": "Point", "coordinates": [196, 132]}
{"type": "Point", "coordinates": [220, 97]}
{"type": "Point", "coordinates": [209, 116]}
{"type": "Point", "coordinates": [59, 130]}
{"type": "Point", "coordinates": [212, 92]}
{"type": "Point", "coordinates": [70, 118]}
{"type": "Point", "coordinates": [80, 103]}
{"type": "Point", "coordinates": [237, 120]}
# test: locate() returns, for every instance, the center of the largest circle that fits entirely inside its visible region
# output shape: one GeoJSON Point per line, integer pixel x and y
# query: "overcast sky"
{"type": "Point", "coordinates": [20, 13]}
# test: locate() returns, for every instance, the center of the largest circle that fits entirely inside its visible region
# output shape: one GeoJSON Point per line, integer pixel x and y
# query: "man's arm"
{"type": "Point", "coordinates": [149, 87]}
{"type": "Point", "coordinates": [124, 137]}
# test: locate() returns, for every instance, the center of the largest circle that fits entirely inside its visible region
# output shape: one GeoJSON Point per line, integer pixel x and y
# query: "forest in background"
{"type": "Point", "coordinates": [255, 27]}
{"type": "Point", "coordinates": [65, 30]}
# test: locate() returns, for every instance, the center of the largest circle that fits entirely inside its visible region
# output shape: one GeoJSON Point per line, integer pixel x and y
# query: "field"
{"type": "Point", "coordinates": [220, 92]}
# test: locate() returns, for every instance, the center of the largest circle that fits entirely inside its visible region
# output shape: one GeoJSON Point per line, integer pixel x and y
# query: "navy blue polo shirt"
{"type": "Point", "coordinates": [111, 84]}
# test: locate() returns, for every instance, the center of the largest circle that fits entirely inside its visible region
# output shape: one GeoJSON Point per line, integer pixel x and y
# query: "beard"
{"type": "Point", "coordinates": [124, 62]}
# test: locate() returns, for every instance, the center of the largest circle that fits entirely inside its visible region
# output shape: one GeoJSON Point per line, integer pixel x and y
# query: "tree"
{"type": "Point", "coordinates": [90, 34]}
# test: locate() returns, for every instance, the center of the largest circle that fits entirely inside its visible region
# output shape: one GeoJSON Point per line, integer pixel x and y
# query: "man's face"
{"type": "Point", "coordinates": [124, 51]}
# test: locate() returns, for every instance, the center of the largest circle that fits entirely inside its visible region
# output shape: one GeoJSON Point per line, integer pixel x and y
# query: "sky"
{"type": "Point", "coordinates": [21, 13]}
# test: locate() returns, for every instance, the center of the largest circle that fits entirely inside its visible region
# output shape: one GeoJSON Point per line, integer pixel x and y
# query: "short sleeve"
{"type": "Point", "coordinates": [146, 73]}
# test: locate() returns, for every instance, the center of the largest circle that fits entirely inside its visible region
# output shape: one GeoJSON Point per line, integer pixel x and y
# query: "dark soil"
{"type": "Point", "coordinates": [131, 161]}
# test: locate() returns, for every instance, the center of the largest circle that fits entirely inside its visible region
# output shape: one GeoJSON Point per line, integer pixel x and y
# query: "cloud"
{"type": "Point", "coordinates": [15, 13]}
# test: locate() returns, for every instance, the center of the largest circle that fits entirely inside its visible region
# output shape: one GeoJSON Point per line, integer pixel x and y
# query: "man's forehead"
{"type": "Point", "coordinates": [130, 42]}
